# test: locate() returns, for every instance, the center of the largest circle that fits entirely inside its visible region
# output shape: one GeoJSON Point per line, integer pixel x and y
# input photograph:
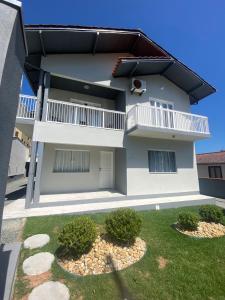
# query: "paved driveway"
{"type": "Point", "coordinates": [16, 189]}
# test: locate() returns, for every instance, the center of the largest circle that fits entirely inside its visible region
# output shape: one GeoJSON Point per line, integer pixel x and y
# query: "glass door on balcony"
{"type": "Point", "coordinates": [162, 115]}
{"type": "Point", "coordinates": [85, 116]}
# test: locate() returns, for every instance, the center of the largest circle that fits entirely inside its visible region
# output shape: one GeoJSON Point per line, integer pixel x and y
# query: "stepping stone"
{"type": "Point", "coordinates": [50, 290]}
{"type": "Point", "coordinates": [36, 241]}
{"type": "Point", "coordinates": [38, 263]}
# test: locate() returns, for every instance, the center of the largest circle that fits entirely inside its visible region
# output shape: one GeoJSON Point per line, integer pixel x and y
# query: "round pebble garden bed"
{"type": "Point", "coordinates": [205, 230]}
{"type": "Point", "coordinates": [105, 257]}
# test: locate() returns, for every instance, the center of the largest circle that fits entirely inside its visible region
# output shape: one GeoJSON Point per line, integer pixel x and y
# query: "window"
{"type": "Point", "coordinates": [161, 161]}
{"type": "Point", "coordinates": [215, 172]}
{"type": "Point", "coordinates": [162, 114]}
{"type": "Point", "coordinates": [71, 161]}
{"type": "Point", "coordinates": [162, 104]}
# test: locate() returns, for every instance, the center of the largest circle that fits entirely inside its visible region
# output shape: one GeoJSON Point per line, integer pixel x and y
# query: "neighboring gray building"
{"type": "Point", "coordinates": [211, 173]}
{"type": "Point", "coordinates": [113, 111]}
{"type": "Point", "coordinates": [211, 165]}
{"type": "Point", "coordinates": [18, 157]}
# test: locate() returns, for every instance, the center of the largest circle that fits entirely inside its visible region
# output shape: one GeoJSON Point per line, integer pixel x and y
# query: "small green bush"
{"type": "Point", "coordinates": [78, 236]}
{"type": "Point", "coordinates": [223, 221]}
{"type": "Point", "coordinates": [211, 213]}
{"type": "Point", "coordinates": [123, 225]}
{"type": "Point", "coordinates": [188, 221]}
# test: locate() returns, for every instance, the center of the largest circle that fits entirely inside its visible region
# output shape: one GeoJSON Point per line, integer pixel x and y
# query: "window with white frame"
{"type": "Point", "coordinates": [161, 104]}
{"type": "Point", "coordinates": [161, 161]}
{"type": "Point", "coordinates": [71, 161]}
{"type": "Point", "coordinates": [162, 115]}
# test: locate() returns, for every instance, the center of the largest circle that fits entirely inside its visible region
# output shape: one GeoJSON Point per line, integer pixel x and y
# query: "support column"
{"type": "Point", "coordinates": [32, 170]}
{"type": "Point", "coordinates": [40, 145]}
{"type": "Point", "coordinates": [46, 93]}
{"type": "Point", "coordinates": [32, 166]}
{"type": "Point", "coordinates": [40, 152]}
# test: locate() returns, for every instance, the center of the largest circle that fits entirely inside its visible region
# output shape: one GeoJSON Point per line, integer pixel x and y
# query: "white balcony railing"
{"type": "Point", "coordinates": [148, 116]}
{"type": "Point", "coordinates": [26, 107]}
{"type": "Point", "coordinates": [63, 112]}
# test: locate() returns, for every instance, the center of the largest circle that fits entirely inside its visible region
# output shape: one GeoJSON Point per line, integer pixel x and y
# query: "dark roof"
{"type": "Point", "coordinates": [54, 39]}
{"type": "Point", "coordinates": [171, 68]}
{"type": "Point", "coordinates": [151, 58]}
{"type": "Point", "coordinates": [83, 39]}
{"type": "Point", "coordinates": [211, 158]}
{"type": "Point", "coordinates": [85, 27]}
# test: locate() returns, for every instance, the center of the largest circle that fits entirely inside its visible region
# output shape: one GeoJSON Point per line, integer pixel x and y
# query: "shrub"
{"type": "Point", "coordinates": [123, 225]}
{"type": "Point", "coordinates": [211, 213]}
{"type": "Point", "coordinates": [223, 221]}
{"type": "Point", "coordinates": [188, 221]}
{"type": "Point", "coordinates": [78, 236]}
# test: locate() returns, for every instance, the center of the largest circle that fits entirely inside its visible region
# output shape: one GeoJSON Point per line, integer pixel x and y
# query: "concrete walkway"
{"type": "Point", "coordinates": [17, 210]}
{"type": "Point", "coordinates": [12, 230]}
{"type": "Point", "coordinates": [73, 197]}
{"type": "Point", "coordinates": [220, 203]}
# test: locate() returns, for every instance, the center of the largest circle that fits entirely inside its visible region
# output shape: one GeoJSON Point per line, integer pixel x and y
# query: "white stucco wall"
{"type": "Point", "coordinates": [121, 171]}
{"type": "Point", "coordinates": [98, 68]}
{"type": "Point", "coordinates": [203, 170]}
{"type": "Point", "coordinates": [69, 182]}
{"type": "Point", "coordinates": [52, 132]}
{"type": "Point", "coordinates": [140, 181]}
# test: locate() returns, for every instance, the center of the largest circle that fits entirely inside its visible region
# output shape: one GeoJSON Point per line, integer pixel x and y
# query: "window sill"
{"type": "Point", "coordinates": [162, 172]}
{"type": "Point", "coordinates": [71, 172]}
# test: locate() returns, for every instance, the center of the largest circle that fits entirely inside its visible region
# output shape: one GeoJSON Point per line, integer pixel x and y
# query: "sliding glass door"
{"type": "Point", "coordinates": [162, 115]}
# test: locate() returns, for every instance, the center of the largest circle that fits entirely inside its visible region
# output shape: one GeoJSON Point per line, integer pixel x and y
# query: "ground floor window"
{"type": "Point", "coordinates": [161, 161]}
{"type": "Point", "coordinates": [71, 161]}
{"type": "Point", "coordinates": [215, 172]}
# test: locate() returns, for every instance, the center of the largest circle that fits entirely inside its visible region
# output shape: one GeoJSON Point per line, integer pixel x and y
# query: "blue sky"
{"type": "Point", "coordinates": [193, 31]}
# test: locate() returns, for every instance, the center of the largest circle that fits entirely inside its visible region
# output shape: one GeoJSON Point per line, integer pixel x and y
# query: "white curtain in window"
{"type": "Point", "coordinates": [71, 161]}
{"type": "Point", "coordinates": [162, 161]}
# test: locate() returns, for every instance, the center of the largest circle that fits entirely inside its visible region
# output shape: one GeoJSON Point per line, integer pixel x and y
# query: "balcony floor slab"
{"type": "Point", "coordinates": [166, 133]}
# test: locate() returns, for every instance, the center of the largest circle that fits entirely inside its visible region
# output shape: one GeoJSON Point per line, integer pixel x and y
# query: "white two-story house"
{"type": "Point", "coordinates": [112, 112]}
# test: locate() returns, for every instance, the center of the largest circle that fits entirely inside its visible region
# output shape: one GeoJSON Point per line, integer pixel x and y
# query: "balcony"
{"type": "Point", "coordinates": [147, 121]}
{"type": "Point", "coordinates": [75, 114]}
{"type": "Point", "coordinates": [26, 112]}
{"type": "Point", "coordinates": [65, 120]}
{"type": "Point", "coordinates": [69, 123]}
{"type": "Point", "coordinates": [26, 107]}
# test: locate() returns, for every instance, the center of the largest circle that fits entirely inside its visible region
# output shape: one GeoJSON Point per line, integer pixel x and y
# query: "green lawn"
{"type": "Point", "coordinates": [195, 268]}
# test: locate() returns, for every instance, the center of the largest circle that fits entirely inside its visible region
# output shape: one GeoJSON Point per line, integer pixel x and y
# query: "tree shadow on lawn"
{"type": "Point", "coordinates": [124, 292]}
{"type": "Point", "coordinates": [61, 253]}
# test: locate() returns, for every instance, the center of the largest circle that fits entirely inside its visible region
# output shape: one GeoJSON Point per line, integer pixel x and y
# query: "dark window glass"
{"type": "Point", "coordinates": [215, 172]}
{"type": "Point", "coordinates": [161, 161]}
